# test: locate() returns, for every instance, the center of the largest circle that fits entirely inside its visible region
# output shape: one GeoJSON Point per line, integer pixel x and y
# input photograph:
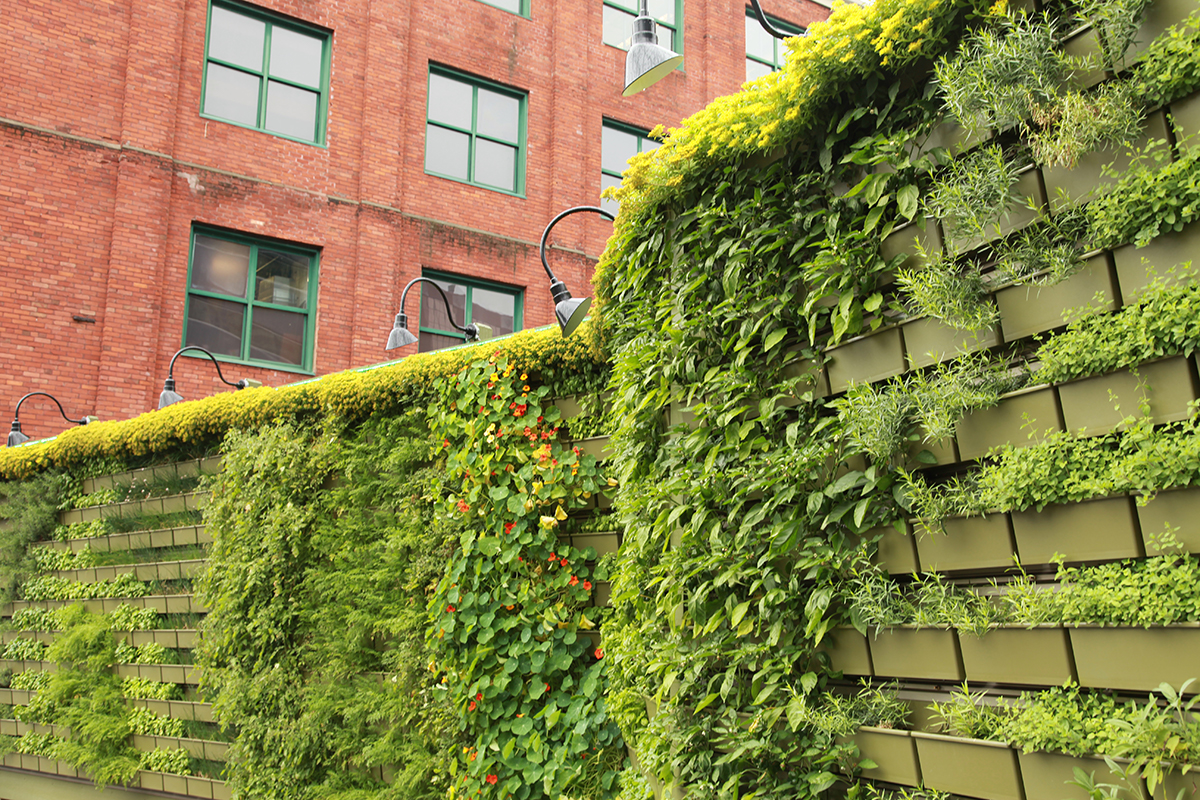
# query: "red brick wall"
{"type": "Point", "coordinates": [107, 164]}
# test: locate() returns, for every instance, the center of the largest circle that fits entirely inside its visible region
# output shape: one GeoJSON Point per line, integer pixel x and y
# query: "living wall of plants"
{"type": "Point", "coordinates": [848, 327]}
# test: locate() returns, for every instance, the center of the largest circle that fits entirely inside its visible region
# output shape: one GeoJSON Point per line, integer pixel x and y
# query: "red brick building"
{"type": "Point", "coordinates": [265, 178]}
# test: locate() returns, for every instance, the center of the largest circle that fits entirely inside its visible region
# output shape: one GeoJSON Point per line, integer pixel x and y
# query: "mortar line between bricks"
{"type": "Point", "coordinates": [335, 198]}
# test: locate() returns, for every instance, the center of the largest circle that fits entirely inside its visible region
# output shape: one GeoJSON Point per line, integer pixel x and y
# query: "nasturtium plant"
{"type": "Point", "coordinates": [512, 614]}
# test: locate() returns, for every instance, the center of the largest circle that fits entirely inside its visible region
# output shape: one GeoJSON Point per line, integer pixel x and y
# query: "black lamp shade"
{"type": "Point", "coordinates": [169, 396]}
{"type": "Point", "coordinates": [15, 437]}
{"type": "Point", "coordinates": [647, 62]}
{"type": "Point", "coordinates": [571, 312]}
{"type": "Point", "coordinates": [399, 337]}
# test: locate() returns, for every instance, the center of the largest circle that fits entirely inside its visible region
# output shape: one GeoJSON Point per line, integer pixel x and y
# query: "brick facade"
{"type": "Point", "coordinates": [106, 164]}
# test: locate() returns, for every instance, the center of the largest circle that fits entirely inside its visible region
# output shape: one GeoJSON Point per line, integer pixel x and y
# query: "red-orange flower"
{"type": "Point", "coordinates": [492, 779]}
{"type": "Point", "coordinates": [449, 609]}
{"type": "Point", "coordinates": [574, 580]}
{"type": "Point", "coordinates": [599, 653]}
{"type": "Point", "coordinates": [508, 526]}
{"type": "Point", "coordinates": [479, 697]}
{"type": "Point", "coordinates": [563, 561]}
{"type": "Point", "coordinates": [587, 586]}
{"type": "Point", "coordinates": [472, 706]}
{"type": "Point", "coordinates": [463, 507]}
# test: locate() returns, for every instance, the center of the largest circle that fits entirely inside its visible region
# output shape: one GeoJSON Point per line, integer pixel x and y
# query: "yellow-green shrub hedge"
{"type": "Point", "coordinates": [351, 395]}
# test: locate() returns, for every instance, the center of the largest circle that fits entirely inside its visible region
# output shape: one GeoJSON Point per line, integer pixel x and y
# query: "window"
{"type": "Point", "coordinates": [480, 302]}
{"type": "Point", "coordinates": [515, 6]}
{"type": "Point", "coordinates": [251, 300]}
{"type": "Point", "coordinates": [475, 132]}
{"type": "Point", "coordinates": [266, 73]}
{"type": "Point", "coordinates": [765, 53]}
{"type": "Point", "coordinates": [618, 143]}
{"type": "Point", "coordinates": [619, 16]}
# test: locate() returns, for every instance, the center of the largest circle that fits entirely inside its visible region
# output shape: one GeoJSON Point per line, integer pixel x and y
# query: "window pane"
{"type": "Point", "coordinates": [616, 148]}
{"type": "Point", "coordinates": [610, 206]}
{"type": "Point", "coordinates": [215, 325]}
{"type": "Point", "coordinates": [663, 11]}
{"type": "Point", "coordinates": [220, 266]}
{"type": "Point", "coordinates": [281, 278]}
{"type": "Point", "coordinates": [648, 145]}
{"type": "Point", "coordinates": [236, 38]}
{"type": "Point", "coordinates": [496, 164]}
{"type": "Point", "coordinates": [436, 341]}
{"type": "Point", "coordinates": [508, 5]}
{"type": "Point", "coordinates": [446, 152]}
{"type": "Point", "coordinates": [433, 310]}
{"type": "Point", "coordinates": [499, 116]}
{"type": "Point", "coordinates": [231, 95]}
{"type": "Point", "coordinates": [759, 43]}
{"type": "Point", "coordinates": [618, 28]}
{"type": "Point", "coordinates": [291, 111]}
{"type": "Point", "coordinates": [449, 101]}
{"type": "Point", "coordinates": [756, 69]}
{"type": "Point", "coordinates": [296, 56]}
{"type": "Point", "coordinates": [277, 335]}
{"type": "Point", "coordinates": [493, 308]}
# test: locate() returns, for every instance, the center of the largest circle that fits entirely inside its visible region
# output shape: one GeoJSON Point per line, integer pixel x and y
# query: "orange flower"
{"type": "Point", "coordinates": [574, 580]}
{"type": "Point", "coordinates": [449, 609]}
{"type": "Point", "coordinates": [599, 653]}
{"type": "Point", "coordinates": [492, 779]}
{"type": "Point", "coordinates": [587, 586]}
{"type": "Point", "coordinates": [472, 706]}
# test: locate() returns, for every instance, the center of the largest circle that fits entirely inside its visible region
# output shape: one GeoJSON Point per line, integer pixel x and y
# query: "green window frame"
{"type": "Point", "coordinates": [271, 285]}
{"type": "Point", "coordinates": [266, 73]}
{"type": "Point", "coordinates": [618, 22]}
{"type": "Point", "coordinates": [475, 131]}
{"type": "Point", "coordinates": [765, 53]}
{"type": "Point", "coordinates": [518, 7]}
{"type": "Point", "coordinates": [616, 139]}
{"type": "Point", "coordinates": [468, 304]}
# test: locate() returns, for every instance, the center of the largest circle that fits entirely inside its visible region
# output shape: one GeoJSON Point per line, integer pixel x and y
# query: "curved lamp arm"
{"type": "Point", "coordinates": [569, 312]}
{"type": "Point", "coordinates": [553, 222]}
{"type": "Point", "coordinates": [16, 437]}
{"type": "Point", "coordinates": [401, 336]}
{"type": "Point", "coordinates": [17, 413]}
{"type": "Point", "coordinates": [169, 396]}
{"type": "Point", "coordinates": [767, 26]}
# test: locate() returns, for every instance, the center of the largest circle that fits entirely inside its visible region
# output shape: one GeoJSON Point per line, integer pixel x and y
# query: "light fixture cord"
{"type": "Point", "coordinates": [568, 212]}
{"type": "Point", "coordinates": [17, 412]}
{"type": "Point", "coordinates": [182, 350]}
{"type": "Point", "coordinates": [446, 300]}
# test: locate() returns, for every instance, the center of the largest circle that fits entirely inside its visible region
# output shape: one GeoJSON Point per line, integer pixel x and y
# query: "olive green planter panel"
{"type": "Point", "coordinates": [604, 542]}
{"type": "Point", "coordinates": [866, 359]}
{"type": "Point", "coordinates": [1028, 656]}
{"type": "Point", "coordinates": [906, 240]}
{"type": "Point", "coordinates": [596, 446]}
{"type": "Point", "coordinates": [1179, 508]}
{"type": "Point", "coordinates": [1137, 267]}
{"type": "Point", "coordinates": [182, 469]}
{"type": "Point", "coordinates": [894, 751]}
{"type": "Point", "coordinates": [929, 654]}
{"type": "Point", "coordinates": [897, 551]}
{"type": "Point", "coordinates": [1085, 180]}
{"type": "Point", "coordinates": [1084, 44]}
{"type": "Point", "coordinates": [1096, 530]}
{"type": "Point", "coordinates": [1160, 15]}
{"type": "Point", "coordinates": [1185, 114]}
{"type": "Point", "coordinates": [1137, 659]}
{"type": "Point", "coordinates": [930, 341]}
{"type": "Point", "coordinates": [969, 543]}
{"type": "Point", "coordinates": [1102, 403]}
{"type": "Point", "coordinates": [848, 651]}
{"type": "Point", "coordinates": [1048, 776]}
{"type": "Point", "coordinates": [1021, 419]}
{"type": "Point", "coordinates": [1026, 310]}
{"type": "Point", "coordinates": [1175, 783]}
{"type": "Point", "coordinates": [944, 451]}
{"type": "Point", "coordinates": [969, 767]}
{"type": "Point", "coordinates": [814, 376]}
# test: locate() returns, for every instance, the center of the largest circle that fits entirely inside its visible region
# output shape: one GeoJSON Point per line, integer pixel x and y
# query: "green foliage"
{"type": "Point", "coordinates": [510, 613]}
{"type": "Point", "coordinates": [1116, 24]}
{"type": "Point", "coordinates": [52, 587]}
{"type": "Point", "coordinates": [30, 680]}
{"type": "Point", "coordinates": [1154, 196]}
{"type": "Point", "coordinates": [1163, 321]}
{"type": "Point", "coordinates": [938, 288]}
{"type": "Point", "coordinates": [974, 193]}
{"type": "Point", "coordinates": [326, 543]}
{"type": "Point", "coordinates": [144, 722]}
{"type": "Point", "coordinates": [965, 714]}
{"type": "Point", "coordinates": [150, 690]}
{"type": "Point", "coordinates": [1170, 66]}
{"type": "Point", "coordinates": [1043, 254]}
{"type": "Point", "coordinates": [176, 762]}
{"type": "Point", "coordinates": [22, 649]}
{"type": "Point", "coordinates": [1082, 122]}
{"type": "Point", "coordinates": [843, 714]}
{"type": "Point", "coordinates": [31, 509]}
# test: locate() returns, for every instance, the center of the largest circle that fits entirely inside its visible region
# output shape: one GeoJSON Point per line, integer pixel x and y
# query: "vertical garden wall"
{"type": "Point", "coordinates": [873, 474]}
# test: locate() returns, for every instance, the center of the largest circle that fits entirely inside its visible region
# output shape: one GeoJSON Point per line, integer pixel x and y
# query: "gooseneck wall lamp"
{"type": "Point", "coordinates": [647, 61]}
{"type": "Point", "coordinates": [169, 396]}
{"type": "Point", "coordinates": [767, 26]}
{"type": "Point", "coordinates": [569, 311]}
{"type": "Point", "coordinates": [15, 437]}
{"type": "Point", "coordinates": [400, 334]}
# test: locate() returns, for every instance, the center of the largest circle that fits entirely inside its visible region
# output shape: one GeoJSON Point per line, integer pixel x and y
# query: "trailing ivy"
{"type": "Point", "coordinates": [511, 613]}
{"type": "Point", "coordinates": [30, 509]}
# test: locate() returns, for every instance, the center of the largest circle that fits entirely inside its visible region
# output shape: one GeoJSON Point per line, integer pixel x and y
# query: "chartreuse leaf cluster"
{"type": "Point", "coordinates": [510, 615]}
{"type": "Point", "coordinates": [326, 543]}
